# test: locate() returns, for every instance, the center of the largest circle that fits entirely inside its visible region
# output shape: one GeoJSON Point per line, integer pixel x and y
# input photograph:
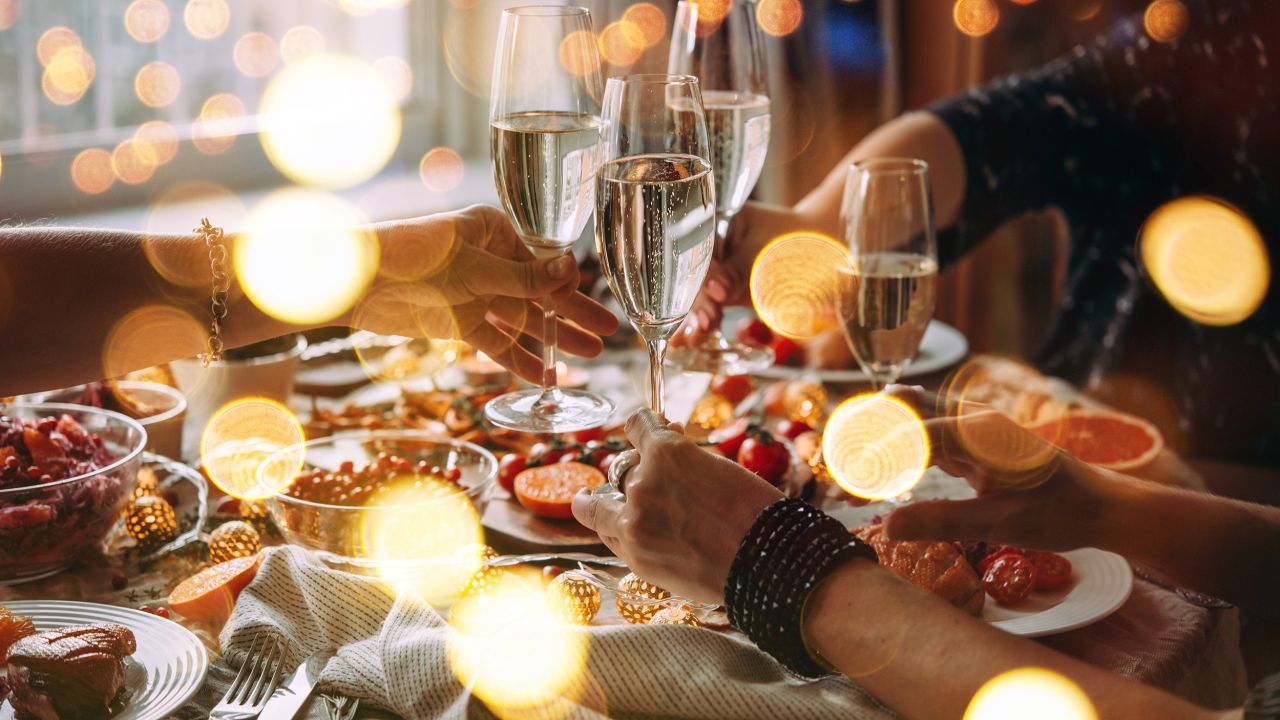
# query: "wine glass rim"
{"type": "Point", "coordinates": [547, 10]}
{"type": "Point", "coordinates": [895, 165]}
{"type": "Point", "coordinates": [656, 78]}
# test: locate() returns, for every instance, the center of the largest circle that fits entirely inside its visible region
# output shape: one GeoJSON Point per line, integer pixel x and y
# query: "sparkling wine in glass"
{"type": "Point", "coordinates": [889, 298]}
{"type": "Point", "coordinates": [544, 134]}
{"type": "Point", "coordinates": [655, 207]}
{"type": "Point", "coordinates": [728, 59]}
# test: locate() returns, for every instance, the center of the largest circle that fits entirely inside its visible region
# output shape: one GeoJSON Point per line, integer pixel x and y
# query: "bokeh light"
{"type": "Point", "coordinates": [1207, 259]}
{"type": "Point", "coordinates": [510, 649]}
{"type": "Point", "coordinates": [221, 119]}
{"type": "Point", "coordinates": [10, 10]}
{"type": "Point", "coordinates": [1082, 10]}
{"type": "Point", "coordinates": [157, 84]}
{"type": "Point", "coordinates": [397, 75]}
{"type": "Point", "coordinates": [304, 257]}
{"type": "Point", "coordinates": [797, 282]}
{"type": "Point", "coordinates": [68, 75]}
{"type": "Point", "coordinates": [173, 213]}
{"type": "Point", "coordinates": [329, 121]}
{"type": "Point", "coordinates": [578, 53]}
{"type": "Point", "coordinates": [441, 169]}
{"type": "Point", "coordinates": [409, 309]}
{"type": "Point", "coordinates": [779, 17]}
{"type": "Point", "coordinates": [134, 161]}
{"type": "Point", "coordinates": [240, 436]}
{"type": "Point", "coordinates": [1166, 20]}
{"type": "Point", "coordinates": [206, 19]}
{"type": "Point", "coordinates": [300, 42]}
{"type": "Point", "coordinates": [161, 136]}
{"type": "Point", "coordinates": [1008, 696]}
{"type": "Point", "coordinates": [712, 12]}
{"type": "Point", "coordinates": [91, 171]}
{"type": "Point", "coordinates": [364, 7]}
{"type": "Point", "coordinates": [650, 19]}
{"type": "Point", "coordinates": [254, 54]}
{"type": "Point", "coordinates": [621, 43]}
{"type": "Point", "coordinates": [875, 446]}
{"type": "Point", "coordinates": [55, 39]}
{"type": "Point", "coordinates": [130, 343]}
{"type": "Point", "coordinates": [975, 18]}
{"type": "Point", "coordinates": [146, 20]}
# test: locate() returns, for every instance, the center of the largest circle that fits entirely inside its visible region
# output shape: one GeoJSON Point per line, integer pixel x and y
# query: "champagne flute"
{"type": "Point", "coordinates": [889, 299]}
{"type": "Point", "coordinates": [544, 131]}
{"type": "Point", "coordinates": [655, 206]}
{"type": "Point", "coordinates": [729, 62]}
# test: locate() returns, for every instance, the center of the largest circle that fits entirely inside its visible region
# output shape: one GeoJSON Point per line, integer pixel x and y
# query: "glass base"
{"type": "Point", "coordinates": [558, 410]}
{"type": "Point", "coordinates": [719, 355]}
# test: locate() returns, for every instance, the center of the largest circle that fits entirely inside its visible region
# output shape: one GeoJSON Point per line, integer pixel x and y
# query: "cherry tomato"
{"type": "Point", "coordinates": [792, 429]}
{"type": "Point", "coordinates": [1010, 578]}
{"type": "Point", "coordinates": [572, 456]}
{"type": "Point", "coordinates": [585, 436]}
{"type": "Point", "coordinates": [1052, 570]}
{"type": "Point", "coordinates": [763, 455]}
{"type": "Point", "coordinates": [508, 468]}
{"type": "Point", "coordinates": [728, 439]}
{"type": "Point", "coordinates": [734, 388]}
{"type": "Point", "coordinates": [544, 454]}
{"type": "Point", "coordinates": [753, 331]}
{"type": "Point", "coordinates": [996, 553]}
{"type": "Point", "coordinates": [787, 352]}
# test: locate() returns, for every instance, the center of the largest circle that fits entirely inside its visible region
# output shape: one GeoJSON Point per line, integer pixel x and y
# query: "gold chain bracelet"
{"type": "Point", "coordinates": [213, 238]}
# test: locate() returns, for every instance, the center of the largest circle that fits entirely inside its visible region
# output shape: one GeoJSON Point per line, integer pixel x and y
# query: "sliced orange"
{"type": "Point", "coordinates": [211, 593]}
{"type": "Point", "coordinates": [548, 490]}
{"type": "Point", "coordinates": [1112, 440]}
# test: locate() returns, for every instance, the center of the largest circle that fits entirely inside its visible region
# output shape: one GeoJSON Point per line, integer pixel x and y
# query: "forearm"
{"type": "Point", "coordinates": [70, 296]}
{"type": "Point", "coordinates": [926, 659]}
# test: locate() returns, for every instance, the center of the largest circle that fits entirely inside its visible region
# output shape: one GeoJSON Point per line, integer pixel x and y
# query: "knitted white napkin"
{"type": "Point", "coordinates": [391, 653]}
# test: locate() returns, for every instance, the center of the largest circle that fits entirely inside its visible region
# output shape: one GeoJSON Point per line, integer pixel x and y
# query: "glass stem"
{"type": "Point", "coordinates": [548, 346]}
{"type": "Point", "coordinates": [657, 379]}
{"type": "Point", "coordinates": [716, 339]}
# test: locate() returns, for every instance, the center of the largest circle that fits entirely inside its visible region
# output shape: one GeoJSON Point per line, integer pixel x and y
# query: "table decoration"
{"type": "Point", "coordinates": [632, 586]}
{"type": "Point", "coordinates": [575, 599]}
{"type": "Point", "coordinates": [671, 615]}
{"type": "Point", "coordinates": [150, 521]}
{"type": "Point", "coordinates": [234, 539]}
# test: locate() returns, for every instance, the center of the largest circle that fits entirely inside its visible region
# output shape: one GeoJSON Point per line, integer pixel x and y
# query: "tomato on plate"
{"type": "Point", "coordinates": [792, 429]}
{"type": "Point", "coordinates": [734, 388]}
{"type": "Point", "coordinates": [508, 467]}
{"type": "Point", "coordinates": [1010, 578]}
{"type": "Point", "coordinates": [1052, 570]}
{"type": "Point", "coordinates": [753, 331]}
{"type": "Point", "coordinates": [787, 352]}
{"type": "Point", "coordinates": [547, 453]}
{"type": "Point", "coordinates": [995, 554]}
{"type": "Point", "coordinates": [765, 456]}
{"type": "Point", "coordinates": [586, 436]}
{"type": "Point", "coordinates": [548, 490]}
{"type": "Point", "coordinates": [729, 438]}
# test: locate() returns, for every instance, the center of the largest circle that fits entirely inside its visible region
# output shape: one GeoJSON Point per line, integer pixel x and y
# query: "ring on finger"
{"type": "Point", "coordinates": [623, 464]}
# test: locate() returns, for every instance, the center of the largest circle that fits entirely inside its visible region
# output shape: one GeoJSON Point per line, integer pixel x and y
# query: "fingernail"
{"type": "Point", "coordinates": [705, 317]}
{"type": "Point", "coordinates": [560, 268]}
{"type": "Point", "coordinates": [717, 289]}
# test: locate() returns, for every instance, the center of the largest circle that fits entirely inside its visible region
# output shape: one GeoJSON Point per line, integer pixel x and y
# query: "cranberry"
{"type": "Point", "coordinates": [34, 472]}
{"type": "Point", "coordinates": [162, 612]}
{"type": "Point", "coordinates": [47, 425]}
{"type": "Point", "coordinates": [119, 581]}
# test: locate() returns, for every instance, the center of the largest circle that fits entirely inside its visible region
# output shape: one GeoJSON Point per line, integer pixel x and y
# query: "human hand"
{"type": "Point", "coordinates": [467, 275]}
{"type": "Point", "coordinates": [1030, 494]}
{"type": "Point", "coordinates": [686, 510]}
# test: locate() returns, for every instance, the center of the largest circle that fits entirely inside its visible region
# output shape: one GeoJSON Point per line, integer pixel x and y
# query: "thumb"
{"type": "Point", "coordinates": [943, 520]}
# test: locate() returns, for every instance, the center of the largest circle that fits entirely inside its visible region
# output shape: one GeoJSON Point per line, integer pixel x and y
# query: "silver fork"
{"type": "Point", "coordinates": [255, 681]}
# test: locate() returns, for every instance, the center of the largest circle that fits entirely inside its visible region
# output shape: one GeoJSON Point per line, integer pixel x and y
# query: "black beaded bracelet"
{"type": "Point", "coordinates": [789, 549]}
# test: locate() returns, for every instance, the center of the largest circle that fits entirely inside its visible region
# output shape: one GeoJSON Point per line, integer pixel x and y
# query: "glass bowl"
{"type": "Point", "coordinates": [351, 537]}
{"type": "Point", "coordinates": [164, 426]}
{"type": "Point", "coordinates": [45, 527]}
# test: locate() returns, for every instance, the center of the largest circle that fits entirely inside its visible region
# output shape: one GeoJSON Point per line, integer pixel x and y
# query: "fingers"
{"type": "Point", "coordinates": [599, 513]}
{"type": "Point", "coordinates": [588, 313]}
{"type": "Point", "coordinates": [945, 520]}
{"type": "Point", "coordinates": [524, 316]}
{"type": "Point", "coordinates": [483, 273]}
{"type": "Point", "coordinates": [644, 428]}
{"type": "Point", "coordinates": [504, 350]}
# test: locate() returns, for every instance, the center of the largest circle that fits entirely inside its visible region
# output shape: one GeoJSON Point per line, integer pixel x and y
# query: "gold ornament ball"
{"type": "Point", "coordinates": [574, 599]}
{"type": "Point", "coordinates": [486, 576]}
{"type": "Point", "coordinates": [147, 485]}
{"type": "Point", "coordinates": [234, 539]}
{"type": "Point", "coordinates": [255, 512]}
{"type": "Point", "coordinates": [805, 401]}
{"type": "Point", "coordinates": [711, 412]}
{"type": "Point", "coordinates": [633, 586]}
{"type": "Point", "coordinates": [682, 615]}
{"type": "Point", "coordinates": [150, 520]}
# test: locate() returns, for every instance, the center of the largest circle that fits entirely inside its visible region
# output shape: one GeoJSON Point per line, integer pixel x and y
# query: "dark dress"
{"type": "Point", "coordinates": [1107, 134]}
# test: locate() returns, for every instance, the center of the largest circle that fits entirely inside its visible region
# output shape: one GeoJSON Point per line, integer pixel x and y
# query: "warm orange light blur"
{"type": "Point", "coordinates": [146, 20]}
{"type": "Point", "coordinates": [975, 17]}
{"type": "Point", "coordinates": [91, 171]}
{"type": "Point", "coordinates": [397, 75]}
{"type": "Point", "coordinates": [1023, 2]}
{"type": "Point", "coordinates": [621, 43]}
{"type": "Point", "coordinates": [1207, 259]}
{"type": "Point", "coordinates": [161, 136]}
{"type": "Point", "coordinates": [9, 12]}
{"type": "Point", "coordinates": [206, 19]}
{"type": "Point", "coordinates": [53, 40]}
{"type": "Point", "coordinates": [157, 84]}
{"type": "Point", "coordinates": [221, 119]}
{"type": "Point", "coordinates": [779, 17]}
{"type": "Point", "coordinates": [1085, 9]}
{"type": "Point", "coordinates": [1166, 20]}
{"type": "Point", "coordinates": [441, 169]}
{"type": "Point", "coordinates": [240, 436]}
{"type": "Point", "coordinates": [68, 75]}
{"type": "Point", "coordinates": [1008, 696]}
{"type": "Point", "coordinates": [130, 343]}
{"type": "Point", "coordinates": [875, 446]}
{"type": "Point", "coordinates": [578, 53]}
{"type": "Point", "coordinates": [170, 214]}
{"type": "Point", "coordinates": [254, 54]}
{"type": "Point", "coordinates": [651, 20]}
{"type": "Point", "coordinates": [299, 42]}
{"type": "Point", "coordinates": [133, 161]}
{"type": "Point", "coordinates": [712, 12]}
{"type": "Point", "coordinates": [797, 283]}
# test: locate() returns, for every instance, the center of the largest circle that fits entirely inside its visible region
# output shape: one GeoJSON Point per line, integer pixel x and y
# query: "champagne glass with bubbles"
{"type": "Point", "coordinates": [889, 299]}
{"type": "Point", "coordinates": [655, 206]}
{"type": "Point", "coordinates": [727, 55]}
{"type": "Point", "coordinates": [544, 131]}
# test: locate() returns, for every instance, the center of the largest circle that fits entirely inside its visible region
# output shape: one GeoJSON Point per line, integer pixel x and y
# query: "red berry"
{"type": "Point", "coordinates": [119, 581]}
{"type": "Point", "coordinates": [787, 352]}
{"type": "Point", "coordinates": [734, 388]}
{"type": "Point", "coordinates": [163, 612]}
{"type": "Point", "coordinates": [586, 436]}
{"type": "Point", "coordinates": [753, 331]}
{"type": "Point", "coordinates": [792, 429]}
{"type": "Point", "coordinates": [510, 466]}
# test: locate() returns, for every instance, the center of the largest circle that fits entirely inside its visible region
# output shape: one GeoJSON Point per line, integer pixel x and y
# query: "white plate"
{"type": "Point", "coordinates": [165, 672]}
{"type": "Point", "coordinates": [941, 347]}
{"type": "Point", "coordinates": [1100, 583]}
